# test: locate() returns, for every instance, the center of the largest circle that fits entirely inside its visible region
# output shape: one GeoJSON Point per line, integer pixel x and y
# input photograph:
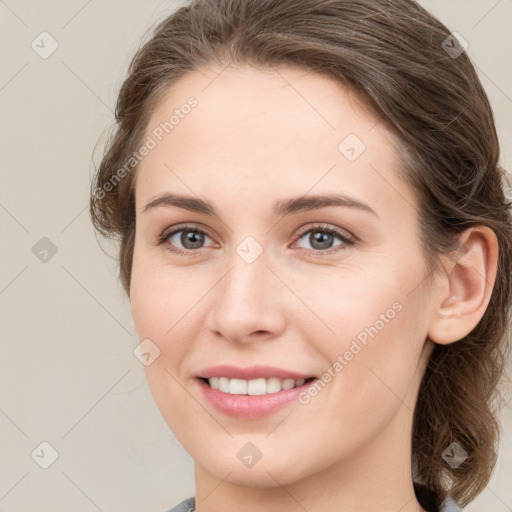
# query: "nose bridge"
{"type": "Point", "coordinates": [247, 299]}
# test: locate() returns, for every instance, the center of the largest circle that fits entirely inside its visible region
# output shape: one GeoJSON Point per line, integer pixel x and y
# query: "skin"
{"type": "Point", "coordinates": [257, 136]}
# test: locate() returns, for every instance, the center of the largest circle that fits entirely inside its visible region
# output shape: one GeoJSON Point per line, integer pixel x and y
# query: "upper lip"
{"type": "Point", "coordinates": [253, 372]}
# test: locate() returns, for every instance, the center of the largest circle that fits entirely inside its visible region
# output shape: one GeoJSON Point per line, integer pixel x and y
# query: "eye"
{"type": "Point", "coordinates": [321, 239]}
{"type": "Point", "coordinates": [190, 237]}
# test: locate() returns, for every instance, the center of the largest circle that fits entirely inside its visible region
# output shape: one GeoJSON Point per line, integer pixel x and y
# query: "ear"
{"type": "Point", "coordinates": [465, 291]}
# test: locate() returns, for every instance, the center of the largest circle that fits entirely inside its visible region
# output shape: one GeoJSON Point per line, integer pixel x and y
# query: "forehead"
{"type": "Point", "coordinates": [272, 131]}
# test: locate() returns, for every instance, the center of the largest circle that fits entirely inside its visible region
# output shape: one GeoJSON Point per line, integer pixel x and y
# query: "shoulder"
{"type": "Point", "coordinates": [185, 506]}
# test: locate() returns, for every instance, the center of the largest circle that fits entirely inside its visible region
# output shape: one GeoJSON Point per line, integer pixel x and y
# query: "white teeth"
{"type": "Point", "coordinates": [256, 387]}
{"type": "Point", "coordinates": [237, 387]}
{"type": "Point", "coordinates": [253, 387]}
{"type": "Point", "coordinates": [288, 384]}
{"type": "Point", "coordinates": [224, 384]}
{"type": "Point", "coordinates": [273, 385]}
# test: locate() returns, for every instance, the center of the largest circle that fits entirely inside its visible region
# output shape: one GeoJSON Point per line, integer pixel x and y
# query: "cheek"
{"type": "Point", "coordinates": [157, 295]}
{"type": "Point", "coordinates": [354, 304]}
{"type": "Point", "coordinates": [159, 305]}
{"type": "Point", "coordinates": [379, 331]}
{"type": "Point", "coordinates": [167, 307]}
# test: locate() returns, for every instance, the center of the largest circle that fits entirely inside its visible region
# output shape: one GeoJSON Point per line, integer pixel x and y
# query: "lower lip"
{"type": "Point", "coordinates": [250, 406]}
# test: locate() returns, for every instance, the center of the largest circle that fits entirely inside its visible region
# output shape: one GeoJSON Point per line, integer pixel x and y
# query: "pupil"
{"type": "Point", "coordinates": [323, 239]}
{"type": "Point", "coordinates": [192, 237]}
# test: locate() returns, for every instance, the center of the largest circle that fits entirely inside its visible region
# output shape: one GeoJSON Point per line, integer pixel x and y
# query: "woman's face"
{"type": "Point", "coordinates": [266, 285]}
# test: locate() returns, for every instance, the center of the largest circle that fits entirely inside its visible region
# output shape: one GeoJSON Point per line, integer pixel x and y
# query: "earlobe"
{"type": "Point", "coordinates": [470, 277]}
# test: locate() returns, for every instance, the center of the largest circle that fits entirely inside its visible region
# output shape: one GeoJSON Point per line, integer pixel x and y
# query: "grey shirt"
{"type": "Point", "coordinates": [188, 506]}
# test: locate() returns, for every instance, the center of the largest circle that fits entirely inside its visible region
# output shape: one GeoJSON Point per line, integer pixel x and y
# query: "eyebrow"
{"type": "Point", "coordinates": [281, 207]}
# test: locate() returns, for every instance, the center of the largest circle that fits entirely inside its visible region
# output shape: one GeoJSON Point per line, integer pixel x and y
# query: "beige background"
{"type": "Point", "coordinates": [68, 376]}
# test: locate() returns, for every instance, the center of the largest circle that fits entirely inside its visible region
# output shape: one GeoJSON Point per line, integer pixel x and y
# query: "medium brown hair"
{"type": "Point", "coordinates": [413, 73]}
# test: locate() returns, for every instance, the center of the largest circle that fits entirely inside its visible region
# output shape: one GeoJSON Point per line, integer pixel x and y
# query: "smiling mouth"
{"type": "Point", "coordinates": [259, 386]}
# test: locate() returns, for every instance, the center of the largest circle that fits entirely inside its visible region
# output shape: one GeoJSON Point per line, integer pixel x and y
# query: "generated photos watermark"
{"type": "Point", "coordinates": [151, 142]}
{"type": "Point", "coordinates": [356, 346]}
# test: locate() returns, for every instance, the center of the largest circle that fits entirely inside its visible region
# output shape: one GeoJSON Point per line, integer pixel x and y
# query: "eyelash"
{"type": "Point", "coordinates": [347, 241]}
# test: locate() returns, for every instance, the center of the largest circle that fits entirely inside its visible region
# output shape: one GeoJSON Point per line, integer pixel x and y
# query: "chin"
{"type": "Point", "coordinates": [263, 474]}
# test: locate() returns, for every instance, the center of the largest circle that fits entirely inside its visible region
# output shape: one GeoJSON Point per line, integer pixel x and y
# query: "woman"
{"type": "Point", "coordinates": [316, 246]}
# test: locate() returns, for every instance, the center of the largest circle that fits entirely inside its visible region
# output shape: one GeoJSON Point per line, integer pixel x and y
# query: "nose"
{"type": "Point", "coordinates": [248, 302]}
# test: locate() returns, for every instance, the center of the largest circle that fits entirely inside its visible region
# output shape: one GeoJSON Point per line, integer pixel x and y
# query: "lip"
{"type": "Point", "coordinates": [253, 372]}
{"type": "Point", "coordinates": [250, 406]}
